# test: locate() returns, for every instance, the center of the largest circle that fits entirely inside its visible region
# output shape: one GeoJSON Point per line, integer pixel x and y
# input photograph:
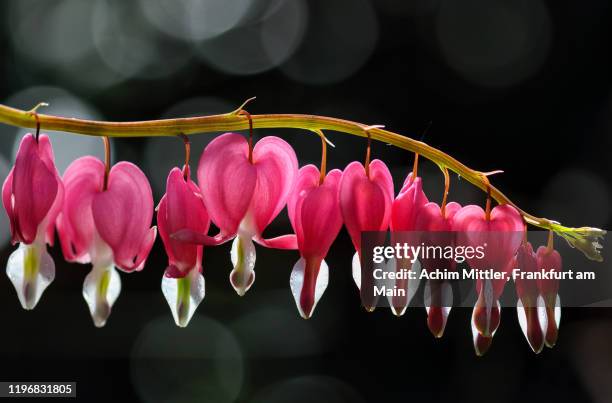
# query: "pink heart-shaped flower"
{"type": "Point", "coordinates": [33, 192]}
{"type": "Point", "coordinates": [314, 211]}
{"type": "Point", "coordinates": [181, 207]}
{"type": "Point", "coordinates": [122, 215]}
{"type": "Point", "coordinates": [240, 193]}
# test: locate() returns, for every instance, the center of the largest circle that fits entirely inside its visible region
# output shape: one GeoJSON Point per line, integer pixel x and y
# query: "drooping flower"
{"type": "Point", "coordinates": [365, 202]}
{"type": "Point", "coordinates": [182, 207]}
{"type": "Point", "coordinates": [500, 232]}
{"type": "Point", "coordinates": [435, 226]}
{"type": "Point", "coordinates": [404, 211]}
{"type": "Point", "coordinates": [529, 306]}
{"type": "Point", "coordinates": [32, 196]}
{"type": "Point", "coordinates": [106, 221]}
{"type": "Point", "coordinates": [549, 259]}
{"type": "Point", "coordinates": [244, 191]}
{"type": "Point", "coordinates": [407, 205]}
{"type": "Point", "coordinates": [314, 211]}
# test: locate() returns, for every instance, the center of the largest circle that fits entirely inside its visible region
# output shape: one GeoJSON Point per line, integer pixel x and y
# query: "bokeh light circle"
{"type": "Point", "coordinates": [56, 37]}
{"type": "Point", "coordinates": [64, 24]}
{"type": "Point", "coordinates": [202, 362]}
{"type": "Point", "coordinates": [259, 45]}
{"type": "Point", "coordinates": [130, 46]}
{"type": "Point", "coordinates": [340, 38]}
{"type": "Point", "coordinates": [494, 43]}
{"type": "Point", "coordinates": [194, 20]}
{"type": "Point", "coordinates": [275, 331]}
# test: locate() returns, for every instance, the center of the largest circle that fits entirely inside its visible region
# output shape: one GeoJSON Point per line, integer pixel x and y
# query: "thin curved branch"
{"type": "Point", "coordinates": [585, 239]}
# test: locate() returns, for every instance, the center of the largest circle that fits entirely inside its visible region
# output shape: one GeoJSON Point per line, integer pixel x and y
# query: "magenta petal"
{"type": "Point", "coordinates": [7, 201]}
{"type": "Point", "coordinates": [308, 177]}
{"type": "Point", "coordinates": [407, 205]}
{"type": "Point", "coordinates": [430, 217]}
{"type": "Point", "coordinates": [47, 157]}
{"type": "Point", "coordinates": [194, 237]}
{"type": "Point", "coordinates": [279, 242]}
{"type": "Point", "coordinates": [379, 174]}
{"type": "Point", "coordinates": [452, 208]}
{"type": "Point", "coordinates": [54, 212]}
{"type": "Point", "coordinates": [548, 259]}
{"type": "Point", "coordinates": [365, 202]}
{"type": "Point", "coordinates": [227, 180]}
{"type": "Point", "coordinates": [526, 261]}
{"type": "Point", "coordinates": [122, 215]}
{"type": "Point", "coordinates": [83, 179]}
{"type": "Point", "coordinates": [277, 167]}
{"type": "Point", "coordinates": [174, 272]}
{"type": "Point", "coordinates": [45, 152]}
{"type": "Point", "coordinates": [145, 248]}
{"type": "Point", "coordinates": [181, 207]}
{"type": "Point", "coordinates": [316, 210]}
{"type": "Point", "coordinates": [35, 187]}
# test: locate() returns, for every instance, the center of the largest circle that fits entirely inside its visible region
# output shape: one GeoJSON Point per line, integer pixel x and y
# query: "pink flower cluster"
{"type": "Point", "coordinates": [103, 217]}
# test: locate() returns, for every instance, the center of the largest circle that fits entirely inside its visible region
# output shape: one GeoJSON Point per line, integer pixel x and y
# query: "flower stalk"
{"type": "Point", "coordinates": [445, 196]}
{"type": "Point", "coordinates": [586, 239]}
{"type": "Point", "coordinates": [107, 160]}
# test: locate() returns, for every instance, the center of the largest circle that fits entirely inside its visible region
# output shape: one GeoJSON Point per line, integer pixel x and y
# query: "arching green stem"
{"type": "Point", "coordinates": [585, 239]}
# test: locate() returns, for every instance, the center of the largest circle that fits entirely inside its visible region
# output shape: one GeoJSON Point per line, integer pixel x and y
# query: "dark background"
{"type": "Point", "coordinates": [522, 86]}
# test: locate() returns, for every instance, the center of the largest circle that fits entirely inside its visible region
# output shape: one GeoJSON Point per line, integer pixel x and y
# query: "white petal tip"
{"type": "Point", "coordinates": [305, 294]}
{"type": "Point", "coordinates": [356, 270]}
{"type": "Point", "coordinates": [243, 257]}
{"type": "Point", "coordinates": [184, 295]}
{"type": "Point", "coordinates": [398, 311]}
{"type": "Point", "coordinates": [30, 269]}
{"type": "Point", "coordinates": [241, 284]}
{"type": "Point", "coordinates": [100, 290]}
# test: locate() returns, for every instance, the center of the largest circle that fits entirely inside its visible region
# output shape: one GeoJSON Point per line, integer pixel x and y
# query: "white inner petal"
{"type": "Point", "coordinates": [184, 295]}
{"type": "Point", "coordinates": [101, 289]}
{"type": "Point", "coordinates": [243, 258]}
{"type": "Point", "coordinates": [356, 265]}
{"type": "Point", "coordinates": [31, 269]}
{"type": "Point", "coordinates": [296, 283]}
{"type": "Point", "coordinates": [558, 310]}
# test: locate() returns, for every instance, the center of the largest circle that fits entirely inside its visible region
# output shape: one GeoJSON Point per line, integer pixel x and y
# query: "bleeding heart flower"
{"type": "Point", "coordinates": [365, 202]}
{"type": "Point", "coordinates": [500, 233]}
{"type": "Point", "coordinates": [550, 259]}
{"type": "Point", "coordinates": [404, 211]}
{"type": "Point", "coordinates": [32, 195]}
{"type": "Point", "coordinates": [408, 204]}
{"type": "Point", "coordinates": [182, 207]}
{"type": "Point", "coordinates": [243, 194]}
{"type": "Point", "coordinates": [435, 226]}
{"type": "Point", "coordinates": [530, 309]}
{"type": "Point", "coordinates": [107, 227]}
{"type": "Point", "coordinates": [314, 211]}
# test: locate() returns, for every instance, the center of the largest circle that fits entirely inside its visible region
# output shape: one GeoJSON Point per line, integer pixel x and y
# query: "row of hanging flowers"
{"type": "Point", "coordinates": [103, 215]}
